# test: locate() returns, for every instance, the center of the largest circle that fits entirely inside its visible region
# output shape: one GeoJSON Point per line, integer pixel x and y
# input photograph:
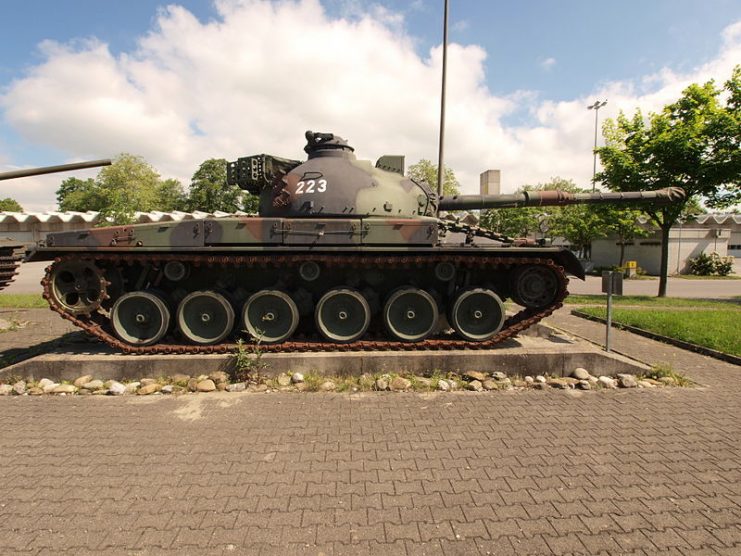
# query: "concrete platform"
{"type": "Point", "coordinates": [555, 355]}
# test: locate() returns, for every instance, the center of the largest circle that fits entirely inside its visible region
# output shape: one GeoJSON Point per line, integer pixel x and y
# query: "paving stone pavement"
{"type": "Point", "coordinates": [532, 472]}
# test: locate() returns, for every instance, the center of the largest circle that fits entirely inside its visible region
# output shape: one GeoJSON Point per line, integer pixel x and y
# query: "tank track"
{"type": "Point", "coordinates": [11, 257]}
{"type": "Point", "coordinates": [96, 323]}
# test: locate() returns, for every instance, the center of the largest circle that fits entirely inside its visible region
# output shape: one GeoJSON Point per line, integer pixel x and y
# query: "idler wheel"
{"type": "Point", "coordinates": [140, 318]}
{"type": "Point", "coordinates": [476, 314]}
{"type": "Point", "coordinates": [205, 317]}
{"type": "Point", "coordinates": [77, 287]}
{"type": "Point", "coordinates": [270, 316]}
{"type": "Point", "coordinates": [410, 314]}
{"type": "Point", "coordinates": [342, 315]}
{"type": "Point", "coordinates": [534, 286]}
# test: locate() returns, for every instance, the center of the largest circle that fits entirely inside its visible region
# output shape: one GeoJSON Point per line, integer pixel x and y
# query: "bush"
{"type": "Point", "coordinates": [711, 265]}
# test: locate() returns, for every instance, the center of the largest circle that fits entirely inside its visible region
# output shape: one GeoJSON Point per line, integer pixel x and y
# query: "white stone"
{"type": "Point", "coordinates": [132, 387]}
{"type": "Point", "coordinates": [45, 382]}
{"type": "Point", "coordinates": [236, 387]}
{"type": "Point", "coordinates": [93, 385]}
{"type": "Point", "coordinates": [79, 381]}
{"type": "Point", "coordinates": [443, 385]}
{"type": "Point", "coordinates": [498, 375]}
{"type": "Point", "coordinates": [297, 378]}
{"type": "Point", "coordinates": [5, 389]}
{"type": "Point", "coordinates": [580, 373]}
{"type": "Point", "coordinates": [65, 389]}
{"type": "Point", "coordinates": [328, 386]}
{"type": "Point", "coordinates": [607, 382]}
{"type": "Point", "coordinates": [474, 385]}
{"type": "Point", "coordinates": [49, 387]}
{"type": "Point", "coordinates": [116, 388]}
{"type": "Point", "coordinates": [206, 385]}
{"type": "Point", "coordinates": [540, 378]}
{"type": "Point", "coordinates": [399, 384]}
{"type": "Point", "coordinates": [529, 379]}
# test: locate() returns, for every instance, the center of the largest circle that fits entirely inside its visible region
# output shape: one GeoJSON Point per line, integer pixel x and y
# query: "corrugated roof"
{"type": "Point", "coordinates": [719, 218]}
{"type": "Point", "coordinates": [93, 217]}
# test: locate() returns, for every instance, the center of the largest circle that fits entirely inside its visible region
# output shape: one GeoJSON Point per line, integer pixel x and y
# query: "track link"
{"type": "Point", "coordinates": [98, 326]}
{"type": "Point", "coordinates": [11, 257]}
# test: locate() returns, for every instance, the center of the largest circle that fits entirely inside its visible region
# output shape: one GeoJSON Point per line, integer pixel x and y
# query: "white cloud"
{"type": "Point", "coordinates": [255, 78]}
{"type": "Point", "coordinates": [547, 63]}
{"type": "Point", "coordinates": [460, 25]}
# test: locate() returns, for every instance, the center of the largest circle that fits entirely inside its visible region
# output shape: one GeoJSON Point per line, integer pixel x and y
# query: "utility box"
{"type": "Point", "coordinates": [612, 282]}
{"type": "Point", "coordinates": [631, 269]}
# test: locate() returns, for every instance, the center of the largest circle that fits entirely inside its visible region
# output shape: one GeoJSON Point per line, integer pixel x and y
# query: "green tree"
{"type": "Point", "coordinates": [209, 191]}
{"type": "Point", "coordinates": [623, 222]}
{"type": "Point", "coordinates": [75, 194]}
{"type": "Point", "coordinates": [426, 171]}
{"type": "Point", "coordinates": [514, 222]}
{"type": "Point", "coordinates": [10, 205]}
{"type": "Point", "coordinates": [171, 195]}
{"type": "Point", "coordinates": [692, 143]}
{"type": "Point", "coordinates": [525, 221]}
{"type": "Point", "coordinates": [128, 185]}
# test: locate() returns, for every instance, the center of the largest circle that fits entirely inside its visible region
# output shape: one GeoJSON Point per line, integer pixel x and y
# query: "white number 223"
{"type": "Point", "coordinates": [321, 186]}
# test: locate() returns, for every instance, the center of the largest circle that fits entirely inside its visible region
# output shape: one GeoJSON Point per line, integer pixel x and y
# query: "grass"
{"type": "Point", "coordinates": [651, 301]}
{"type": "Point", "coordinates": [715, 329]}
{"type": "Point", "coordinates": [694, 277]}
{"type": "Point", "coordinates": [22, 301]}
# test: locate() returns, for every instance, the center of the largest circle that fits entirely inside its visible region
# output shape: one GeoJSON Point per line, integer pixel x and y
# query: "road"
{"type": "Point", "coordinates": [677, 287]}
{"type": "Point", "coordinates": [30, 275]}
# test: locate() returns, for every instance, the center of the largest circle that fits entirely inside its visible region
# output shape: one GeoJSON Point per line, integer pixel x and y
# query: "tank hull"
{"type": "Point", "coordinates": [342, 284]}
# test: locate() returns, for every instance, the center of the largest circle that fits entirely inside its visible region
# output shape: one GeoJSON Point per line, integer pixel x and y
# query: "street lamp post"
{"type": "Point", "coordinates": [440, 162]}
{"type": "Point", "coordinates": [596, 106]}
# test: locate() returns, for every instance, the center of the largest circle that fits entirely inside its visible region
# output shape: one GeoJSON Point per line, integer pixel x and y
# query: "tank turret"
{"type": "Point", "coordinates": [333, 182]}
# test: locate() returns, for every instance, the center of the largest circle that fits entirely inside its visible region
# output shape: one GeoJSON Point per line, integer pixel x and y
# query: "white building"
{"type": "Point", "coordinates": [707, 233]}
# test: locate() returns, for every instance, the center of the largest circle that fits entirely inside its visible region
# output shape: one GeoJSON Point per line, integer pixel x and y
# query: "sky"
{"type": "Point", "coordinates": [182, 82]}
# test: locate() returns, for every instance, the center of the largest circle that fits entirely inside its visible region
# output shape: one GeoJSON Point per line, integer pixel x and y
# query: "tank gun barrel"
{"type": "Point", "coordinates": [53, 169]}
{"type": "Point", "coordinates": [558, 198]}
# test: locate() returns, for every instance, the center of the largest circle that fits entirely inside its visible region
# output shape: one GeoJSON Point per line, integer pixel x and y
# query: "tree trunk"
{"type": "Point", "coordinates": [663, 269]}
{"type": "Point", "coordinates": [622, 252]}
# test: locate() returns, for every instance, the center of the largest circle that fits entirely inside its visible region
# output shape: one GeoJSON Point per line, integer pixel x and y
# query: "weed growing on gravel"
{"type": "Point", "coordinates": [660, 371]}
{"type": "Point", "coordinates": [247, 361]}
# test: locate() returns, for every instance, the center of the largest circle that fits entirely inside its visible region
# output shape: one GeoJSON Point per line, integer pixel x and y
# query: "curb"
{"type": "Point", "coordinates": [727, 357]}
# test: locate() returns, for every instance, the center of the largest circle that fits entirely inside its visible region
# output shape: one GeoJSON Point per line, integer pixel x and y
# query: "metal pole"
{"type": "Point", "coordinates": [440, 163]}
{"type": "Point", "coordinates": [594, 164]}
{"type": "Point", "coordinates": [609, 312]}
{"type": "Point", "coordinates": [596, 106]}
{"type": "Point", "coordinates": [679, 243]}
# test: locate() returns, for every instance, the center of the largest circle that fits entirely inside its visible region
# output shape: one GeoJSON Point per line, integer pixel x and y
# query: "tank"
{"type": "Point", "coordinates": [12, 251]}
{"type": "Point", "coordinates": [344, 255]}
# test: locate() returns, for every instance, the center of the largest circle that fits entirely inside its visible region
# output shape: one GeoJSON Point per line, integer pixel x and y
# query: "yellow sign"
{"type": "Point", "coordinates": [631, 264]}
